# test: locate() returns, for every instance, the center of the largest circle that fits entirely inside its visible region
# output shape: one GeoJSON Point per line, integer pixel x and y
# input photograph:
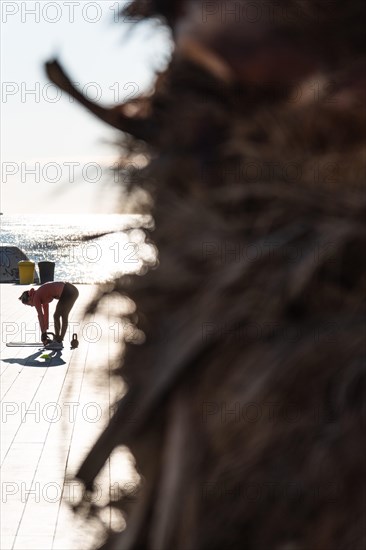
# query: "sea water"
{"type": "Point", "coordinates": [72, 242]}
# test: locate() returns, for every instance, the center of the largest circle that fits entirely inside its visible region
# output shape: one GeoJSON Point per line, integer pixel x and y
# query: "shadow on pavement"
{"type": "Point", "coordinates": [35, 360]}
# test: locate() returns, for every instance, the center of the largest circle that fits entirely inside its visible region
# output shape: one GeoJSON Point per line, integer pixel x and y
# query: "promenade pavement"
{"type": "Point", "coordinates": [52, 410]}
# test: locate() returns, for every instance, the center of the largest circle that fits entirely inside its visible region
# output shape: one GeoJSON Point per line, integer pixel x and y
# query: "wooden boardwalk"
{"type": "Point", "coordinates": [52, 410]}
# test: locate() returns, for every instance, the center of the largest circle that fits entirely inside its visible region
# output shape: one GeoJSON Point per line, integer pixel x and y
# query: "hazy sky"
{"type": "Point", "coordinates": [48, 143]}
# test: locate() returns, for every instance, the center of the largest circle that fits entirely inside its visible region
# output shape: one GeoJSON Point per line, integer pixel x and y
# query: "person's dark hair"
{"type": "Point", "coordinates": [24, 297]}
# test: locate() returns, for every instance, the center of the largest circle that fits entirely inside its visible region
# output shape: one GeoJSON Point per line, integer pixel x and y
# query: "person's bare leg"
{"type": "Point", "coordinates": [63, 309]}
{"type": "Point", "coordinates": [65, 324]}
{"type": "Point", "coordinates": [56, 319]}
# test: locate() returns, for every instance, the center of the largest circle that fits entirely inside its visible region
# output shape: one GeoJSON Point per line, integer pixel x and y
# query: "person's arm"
{"type": "Point", "coordinates": [45, 316]}
{"type": "Point", "coordinates": [41, 318]}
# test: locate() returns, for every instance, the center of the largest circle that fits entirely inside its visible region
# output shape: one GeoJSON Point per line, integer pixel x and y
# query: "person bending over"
{"type": "Point", "coordinates": [66, 294]}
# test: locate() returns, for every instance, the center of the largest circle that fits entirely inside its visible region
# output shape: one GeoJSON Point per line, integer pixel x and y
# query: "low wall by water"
{"type": "Point", "coordinates": [9, 258]}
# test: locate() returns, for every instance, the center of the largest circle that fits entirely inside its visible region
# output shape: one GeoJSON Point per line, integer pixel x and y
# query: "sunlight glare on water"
{"type": "Point", "coordinates": [60, 239]}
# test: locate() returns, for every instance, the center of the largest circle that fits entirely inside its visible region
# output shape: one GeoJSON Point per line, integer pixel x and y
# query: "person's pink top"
{"type": "Point", "coordinates": [40, 299]}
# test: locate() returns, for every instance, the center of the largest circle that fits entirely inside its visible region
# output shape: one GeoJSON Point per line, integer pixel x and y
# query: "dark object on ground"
{"type": "Point", "coordinates": [245, 407]}
{"type": "Point", "coordinates": [46, 272]}
{"type": "Point", "coordinates": [74, 341]}
{"type": "Point", "coordinates": [50, 338]}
